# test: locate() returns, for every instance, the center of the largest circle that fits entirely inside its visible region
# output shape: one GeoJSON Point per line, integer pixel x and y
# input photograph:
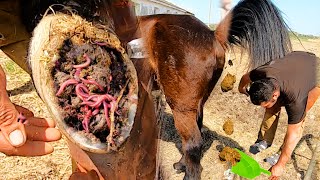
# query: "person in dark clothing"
{"type": "Point", "coordinates": [293, 82]}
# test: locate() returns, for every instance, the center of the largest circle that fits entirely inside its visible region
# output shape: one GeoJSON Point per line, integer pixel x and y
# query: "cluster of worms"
{"type": "Point", "coordinates": [91, 104]}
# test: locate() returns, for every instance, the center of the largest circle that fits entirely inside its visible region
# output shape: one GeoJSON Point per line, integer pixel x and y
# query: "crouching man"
{"type": "Point", "coordinates": [293, 82]}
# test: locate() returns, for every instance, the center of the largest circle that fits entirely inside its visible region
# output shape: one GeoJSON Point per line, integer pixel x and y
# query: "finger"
{"type": "Point", "coordinates": [41, 122]}
{"type": "Point", "coordinates": [36, 133]}
{"type": "Point", "coordinates": [27, 113]}
{"type": "Point", "coordinates": [32, 148]}
{"type": "Point", "coordinates": [14, 133]}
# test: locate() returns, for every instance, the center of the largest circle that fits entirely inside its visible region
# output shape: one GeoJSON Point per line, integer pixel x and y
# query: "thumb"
{"type": "Point", "coordinates": [15, 134]}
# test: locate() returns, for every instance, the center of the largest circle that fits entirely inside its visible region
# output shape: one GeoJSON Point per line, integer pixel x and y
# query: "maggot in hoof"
{"type": "Point", "coordinates": [87, 81]}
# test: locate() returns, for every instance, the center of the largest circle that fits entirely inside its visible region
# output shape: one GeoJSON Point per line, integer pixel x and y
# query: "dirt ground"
{"type": "Point", "coordinates": [247, 118]}
{"type": "Point", "coordinates": [219, 107]}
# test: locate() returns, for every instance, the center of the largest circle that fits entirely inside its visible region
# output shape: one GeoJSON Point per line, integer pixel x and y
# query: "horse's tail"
{"type": "Point", "coordinates": [256, 25]}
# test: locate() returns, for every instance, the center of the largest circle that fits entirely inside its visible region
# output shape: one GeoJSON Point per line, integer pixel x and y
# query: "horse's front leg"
{"type": "Point", "coordinates": [186, 124]}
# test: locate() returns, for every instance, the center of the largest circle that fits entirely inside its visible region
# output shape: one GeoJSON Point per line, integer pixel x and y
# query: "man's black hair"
{"type": "Point", "coordinates": [261, 91]}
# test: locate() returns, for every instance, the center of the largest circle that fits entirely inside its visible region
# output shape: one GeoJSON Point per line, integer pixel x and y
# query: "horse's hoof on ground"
{"type": "Point", "coordinates": [179, 167]}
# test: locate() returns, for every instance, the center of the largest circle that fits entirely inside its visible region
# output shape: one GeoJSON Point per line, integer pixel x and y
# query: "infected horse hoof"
{"type": "Point", "coordinates": [179, 167]}
{"type": "Point", "coordinates": [86, 80]}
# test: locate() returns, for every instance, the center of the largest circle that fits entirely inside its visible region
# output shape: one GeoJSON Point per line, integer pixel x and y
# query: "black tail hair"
{"type": "Point", "coordinates": [256, 25]}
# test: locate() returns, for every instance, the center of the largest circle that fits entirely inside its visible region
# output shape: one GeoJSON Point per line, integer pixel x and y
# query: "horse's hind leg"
{"type": "Point", "coordinates": [185, 123]}
{"type": "Point", "coordinates": [215, 77]}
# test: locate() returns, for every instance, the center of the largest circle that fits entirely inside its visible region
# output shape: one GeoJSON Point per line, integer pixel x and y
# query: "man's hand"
{"type": "Point", "coordinates": [244, 82]}
{"type": "Point", "coordinates": [276, 171]}
{"type": "Point", "coordinates": [11, 127]}
{"type": "Point", "coordinates": [39, 131]}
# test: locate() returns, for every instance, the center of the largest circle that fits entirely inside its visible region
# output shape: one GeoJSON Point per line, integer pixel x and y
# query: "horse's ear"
{"type": "Point", "coordinates": [222, 31]}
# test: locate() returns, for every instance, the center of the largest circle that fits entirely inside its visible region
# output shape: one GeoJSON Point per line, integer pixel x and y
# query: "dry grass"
{"type": "Point", "coordinates": [219, 107]}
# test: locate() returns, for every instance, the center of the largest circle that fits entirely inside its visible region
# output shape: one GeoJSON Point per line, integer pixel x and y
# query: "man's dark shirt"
{"type": "Point", "coordinates": [296, 75]}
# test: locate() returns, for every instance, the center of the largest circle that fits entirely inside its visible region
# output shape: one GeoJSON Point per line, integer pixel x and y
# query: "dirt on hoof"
{"type": "Point", "coordinates": [228, 82]}
{"type": "Point", "coordinates": [230, 155]}
{"type": "Point", "coordinates": [228, 127]}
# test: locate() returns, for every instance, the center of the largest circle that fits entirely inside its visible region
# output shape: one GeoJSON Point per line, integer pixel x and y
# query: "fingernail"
{"type": "Point", "coordinates": [16, 137]}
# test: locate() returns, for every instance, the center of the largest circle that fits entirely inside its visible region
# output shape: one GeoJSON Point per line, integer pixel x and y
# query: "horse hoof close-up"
{"type": "Point", "coordinates": [86, 80]}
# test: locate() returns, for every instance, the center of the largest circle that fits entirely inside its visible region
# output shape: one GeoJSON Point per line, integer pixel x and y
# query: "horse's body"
{"type": "Point", "coordinates": [188, 59]}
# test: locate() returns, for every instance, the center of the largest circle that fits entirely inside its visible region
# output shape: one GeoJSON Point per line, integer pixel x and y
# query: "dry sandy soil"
{"type": "Point", "coordinates": [219, 107]}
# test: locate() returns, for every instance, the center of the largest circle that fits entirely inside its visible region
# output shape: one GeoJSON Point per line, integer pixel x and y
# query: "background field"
{"type": "Point", "coordinates": [219, 107]}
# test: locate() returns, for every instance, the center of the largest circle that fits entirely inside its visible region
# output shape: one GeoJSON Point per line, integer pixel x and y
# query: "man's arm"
{"type": "Point", "coordinates": [244, 82]}
{"type": "Point", "coordinates": [293, 136]}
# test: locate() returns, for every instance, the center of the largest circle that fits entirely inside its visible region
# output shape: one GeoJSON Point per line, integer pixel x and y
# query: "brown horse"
{"type": "Point", "coordinates": [188, 59]}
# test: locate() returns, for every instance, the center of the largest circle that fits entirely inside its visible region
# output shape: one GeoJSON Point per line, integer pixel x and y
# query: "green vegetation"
{"type": "Point", "coordinates": [9, 66]}
{"type": "Point", "coordinates": [295, 35]}
{"type": "Point", "coordinates": [212, 26]}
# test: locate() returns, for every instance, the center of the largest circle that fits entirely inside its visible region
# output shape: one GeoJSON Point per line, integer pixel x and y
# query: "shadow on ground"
{"type": "Point", "coordinates": [26, 88]}
{"type": "Point", "coordinates": [170, 134]}
{"type": "Point", "coordinates": [301, 170]}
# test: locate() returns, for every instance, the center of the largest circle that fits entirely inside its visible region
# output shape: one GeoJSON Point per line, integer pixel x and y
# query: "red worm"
{"type": "Point", "coordinates": [86, 108]}
{"type": "Point", "coordinates": [109, 97]}
{"type": "Point", "coordinates": [77, 73]}
{"type": "Point", "coordinates": [97, 104]}
{"type": "Point", "coordinates": [86, 64]}
{"type": "Point", "coordinates": [85, 122]}
{"type": "Point", "coordinates": [65, 84]}
{"type": "Point", "coordinates": [95, 112]}
{"type": "Point", "coordinates": [106, 113]}
{"type": "Point", "coordinates": [91, 81]}
{"type": "Point", "coordinates": [97, 100]}
{"type": "Point", "coordinates": [22, 118]}
{"type": "Point", "coordinates": [101, 43]}
{"type": "Point", "coordinates": [82, 91]}
{"type": "Point", "coordinates": [93, 97]}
